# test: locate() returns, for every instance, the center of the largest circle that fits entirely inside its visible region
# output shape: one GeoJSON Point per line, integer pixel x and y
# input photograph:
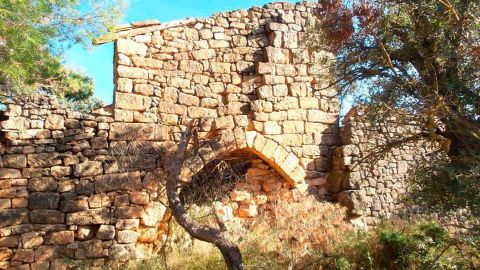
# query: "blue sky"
{"type": "Point", "coordinates": [97, 62]}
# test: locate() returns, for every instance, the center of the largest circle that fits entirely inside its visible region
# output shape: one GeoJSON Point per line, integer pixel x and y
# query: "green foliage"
{"type": "Point", "coordinates": [33, 35]}
{"type": "Point", "coordinates": [454, 186]}
{"type": "Point", "coordinates": [409, 57]}
{"type": "Point", "coordinates": [393, 245]}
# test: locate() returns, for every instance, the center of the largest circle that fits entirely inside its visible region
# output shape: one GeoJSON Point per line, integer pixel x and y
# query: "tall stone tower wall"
{"type": "Point", "coordinates": [243, 73]}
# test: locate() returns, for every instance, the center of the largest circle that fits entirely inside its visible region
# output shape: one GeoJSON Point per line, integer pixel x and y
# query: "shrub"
{"type": "Point", "coordinates": [395, 245]}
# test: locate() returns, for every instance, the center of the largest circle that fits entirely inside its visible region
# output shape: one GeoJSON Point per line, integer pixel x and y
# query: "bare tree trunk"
{"type": "Point", "coordinates": [230, 251]}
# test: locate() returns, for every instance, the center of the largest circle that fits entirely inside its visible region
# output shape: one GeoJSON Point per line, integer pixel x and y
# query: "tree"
{"type": "Point", "coordinates": [418, 61]}
{"type": "Point", "coordinates": [33, 36]}
{"type": "Point", "coordinates": [173, 164]}
{"type": "Point", "coordinates": [418, 57]}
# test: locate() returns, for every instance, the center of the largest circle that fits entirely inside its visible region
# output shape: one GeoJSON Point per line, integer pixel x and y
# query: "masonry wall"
{"type": "Point", "coordinates": [373, 186]}
{"type": "Point", "coordinates": [85, 189]}
{"type": "Point", "coordinates": [67, 193]}
{"type": "Point", "coordinates": [241, 71]}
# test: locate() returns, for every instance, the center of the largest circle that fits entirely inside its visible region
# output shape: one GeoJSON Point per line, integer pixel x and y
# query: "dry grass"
{"type": "Point", "coordinates": [291, 235]}
{"type": "Point", "coordinates": [296, 232]}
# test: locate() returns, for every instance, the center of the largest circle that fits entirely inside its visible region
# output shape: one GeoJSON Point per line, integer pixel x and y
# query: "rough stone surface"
{"type": "Point", "coordinates": [372, 189]}
{"type": "Point", "coordinates": [87, 186]}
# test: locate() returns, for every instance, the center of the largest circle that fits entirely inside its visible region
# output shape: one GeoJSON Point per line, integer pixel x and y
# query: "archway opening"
{"type": "Point", "coordinates": [239, 185]}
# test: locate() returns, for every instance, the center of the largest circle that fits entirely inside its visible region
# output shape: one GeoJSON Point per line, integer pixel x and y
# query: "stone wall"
{"type": "Point", "coordinates": [78, 189]}
{"type": "Point", "coordinates": [241, 72]}
{"type": "Point", "coordinates": [373, 185]}
{"type": "Point", "coordinates": [86, 189]}
{"type": "Point", "coordinates": [67, 192]}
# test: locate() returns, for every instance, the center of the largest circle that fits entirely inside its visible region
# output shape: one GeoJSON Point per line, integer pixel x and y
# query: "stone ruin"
{"type": "Point", "coordinates": [85, 189]}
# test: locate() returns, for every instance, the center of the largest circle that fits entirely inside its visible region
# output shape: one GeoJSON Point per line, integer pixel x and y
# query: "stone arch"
{"type": "Point", "coordinates": [283, 161]}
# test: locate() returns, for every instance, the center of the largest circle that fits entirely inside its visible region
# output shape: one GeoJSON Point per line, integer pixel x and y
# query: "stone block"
{"type": "Point", "coordinates": [9, 241]}
{"type": "Point", "coordinates": [24, 255]}
{"type": "Point", "coordinates": [280, 90]}
{"type": "Point", "coordinates": [14, 161]}
{"type": "Point", "coordinates": [316, 128]}
{"type": "Point", "coordinates": [286, 103]}
{"type": "Point", "coordinates": [127, 224]}
{"type": "Point", "coordinates": [290, 40]}
{"type": "Point", "coordinates": [293, 127]}
{"type": "Point", "coordinates": [55, 122]}
{"type": "Point", "coordinates": [89, 250]}
{"type": "Point", "coordinates": [128, 212]}
{"type": "Point", "coordinates": [262, 106]}
{"type": "Point", "coordinates": [179, 82]}
{"type": "Point", "coordinates": [15, 123]}
{"type": "Point", "coordinates": [120, 252]}
{"type": "Point", "coordinates": [10, 173]}
{"type": "Point", "coordinates": [132, 73]}
{"type": "Point", "coordinates": [215, 44]}
{"type": "Point", "coordinates": [120, 181]}
{"type": "Point", "coordinates": [89, 217]}
{"type": "Point", "coordinates": [43, 200]}
{"type": "Point", "coordinates": [47, 253]}
{"type": "Point", "coordinates": [130, 47]}
{"type": "Point", "coordinates": [225, 122]}
{"type": "Point", "coordinates": [8, 193]}
{"type": "Point", "coordinates": [298, 176]}
{"type": "Point", "coordinates": [147, 62]}
{"type": "Point", "coordinates": [133, 102]}
{"type": "Point", "coordinates": [322, 117]}
{"type": "Point", "coordinates": [60, 171]}
{"type": "Point", "coordinates": [98, 201]}
{"type": "Point", "coordinates": [191, 66]}
{"type": "Point", "coordinates": [269, 148]}
{"type": "Point", "coordinates": [195, 112]}
{"type": "Point", "coordinates": [47, 216]}
{"type": "Point", "coordinates": [203, 54]}
{"type": "Point", "coordinates": [106, 232]}
{"type": "Point", "coordinates": [88, 168]}
{"type": "Point", "coordinates": [290, 163]}
{"type": "Point", "coordinates": [9, 217]}
{"type": "Point", "coordinates": [73, 205]}
{"type": "Point", "coordinates": [275, 39]}
{"type": "Point", "coordinates": [298, 89]}
{"type": "Point", "coordinates": [5, 203]}
{"type": "Point", "coordinates": [272, 128]}
{"type": "Point", "coordinates": [138, 132]}
{"type": "Point", "coordinates": [127, 237]}
{"type": "Point", "coordinates": [274, 26]}
{"type": "Point", "coordinates": [59, 238]}
{"type": "Point", "coordinates": [140, 198]}
{"type": "Point", "coordinates": [44, 160]}
{"type": "Point", "coordinates": [309, 103]}
{"type": "Point", "coordinates": [123, 115]}
{"type": "Point", "coordinates": [124, 85]}
{"type": "Point", "coordinates": [280, 155]}
{"type": "Point", "coordinates": [31, 240]}
{"type": "Point", "coordinates": [188, 100]}
{"type": "Point", "coordinates": [85, 232]}
{"type": "Point", "coordinates": [265, 68]}
{"type": "Point", "coordinates": [265, 92]}
{"type": "Point", "coordinates": [278, 55]}
{"type": "Point", "coordinates": [219, 67]}
{"type": "Point", "coordinates": [153, 214]}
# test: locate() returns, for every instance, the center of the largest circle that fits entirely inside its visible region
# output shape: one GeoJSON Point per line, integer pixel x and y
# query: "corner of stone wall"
{"type": "Point", "coordinates": [373, 188]}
